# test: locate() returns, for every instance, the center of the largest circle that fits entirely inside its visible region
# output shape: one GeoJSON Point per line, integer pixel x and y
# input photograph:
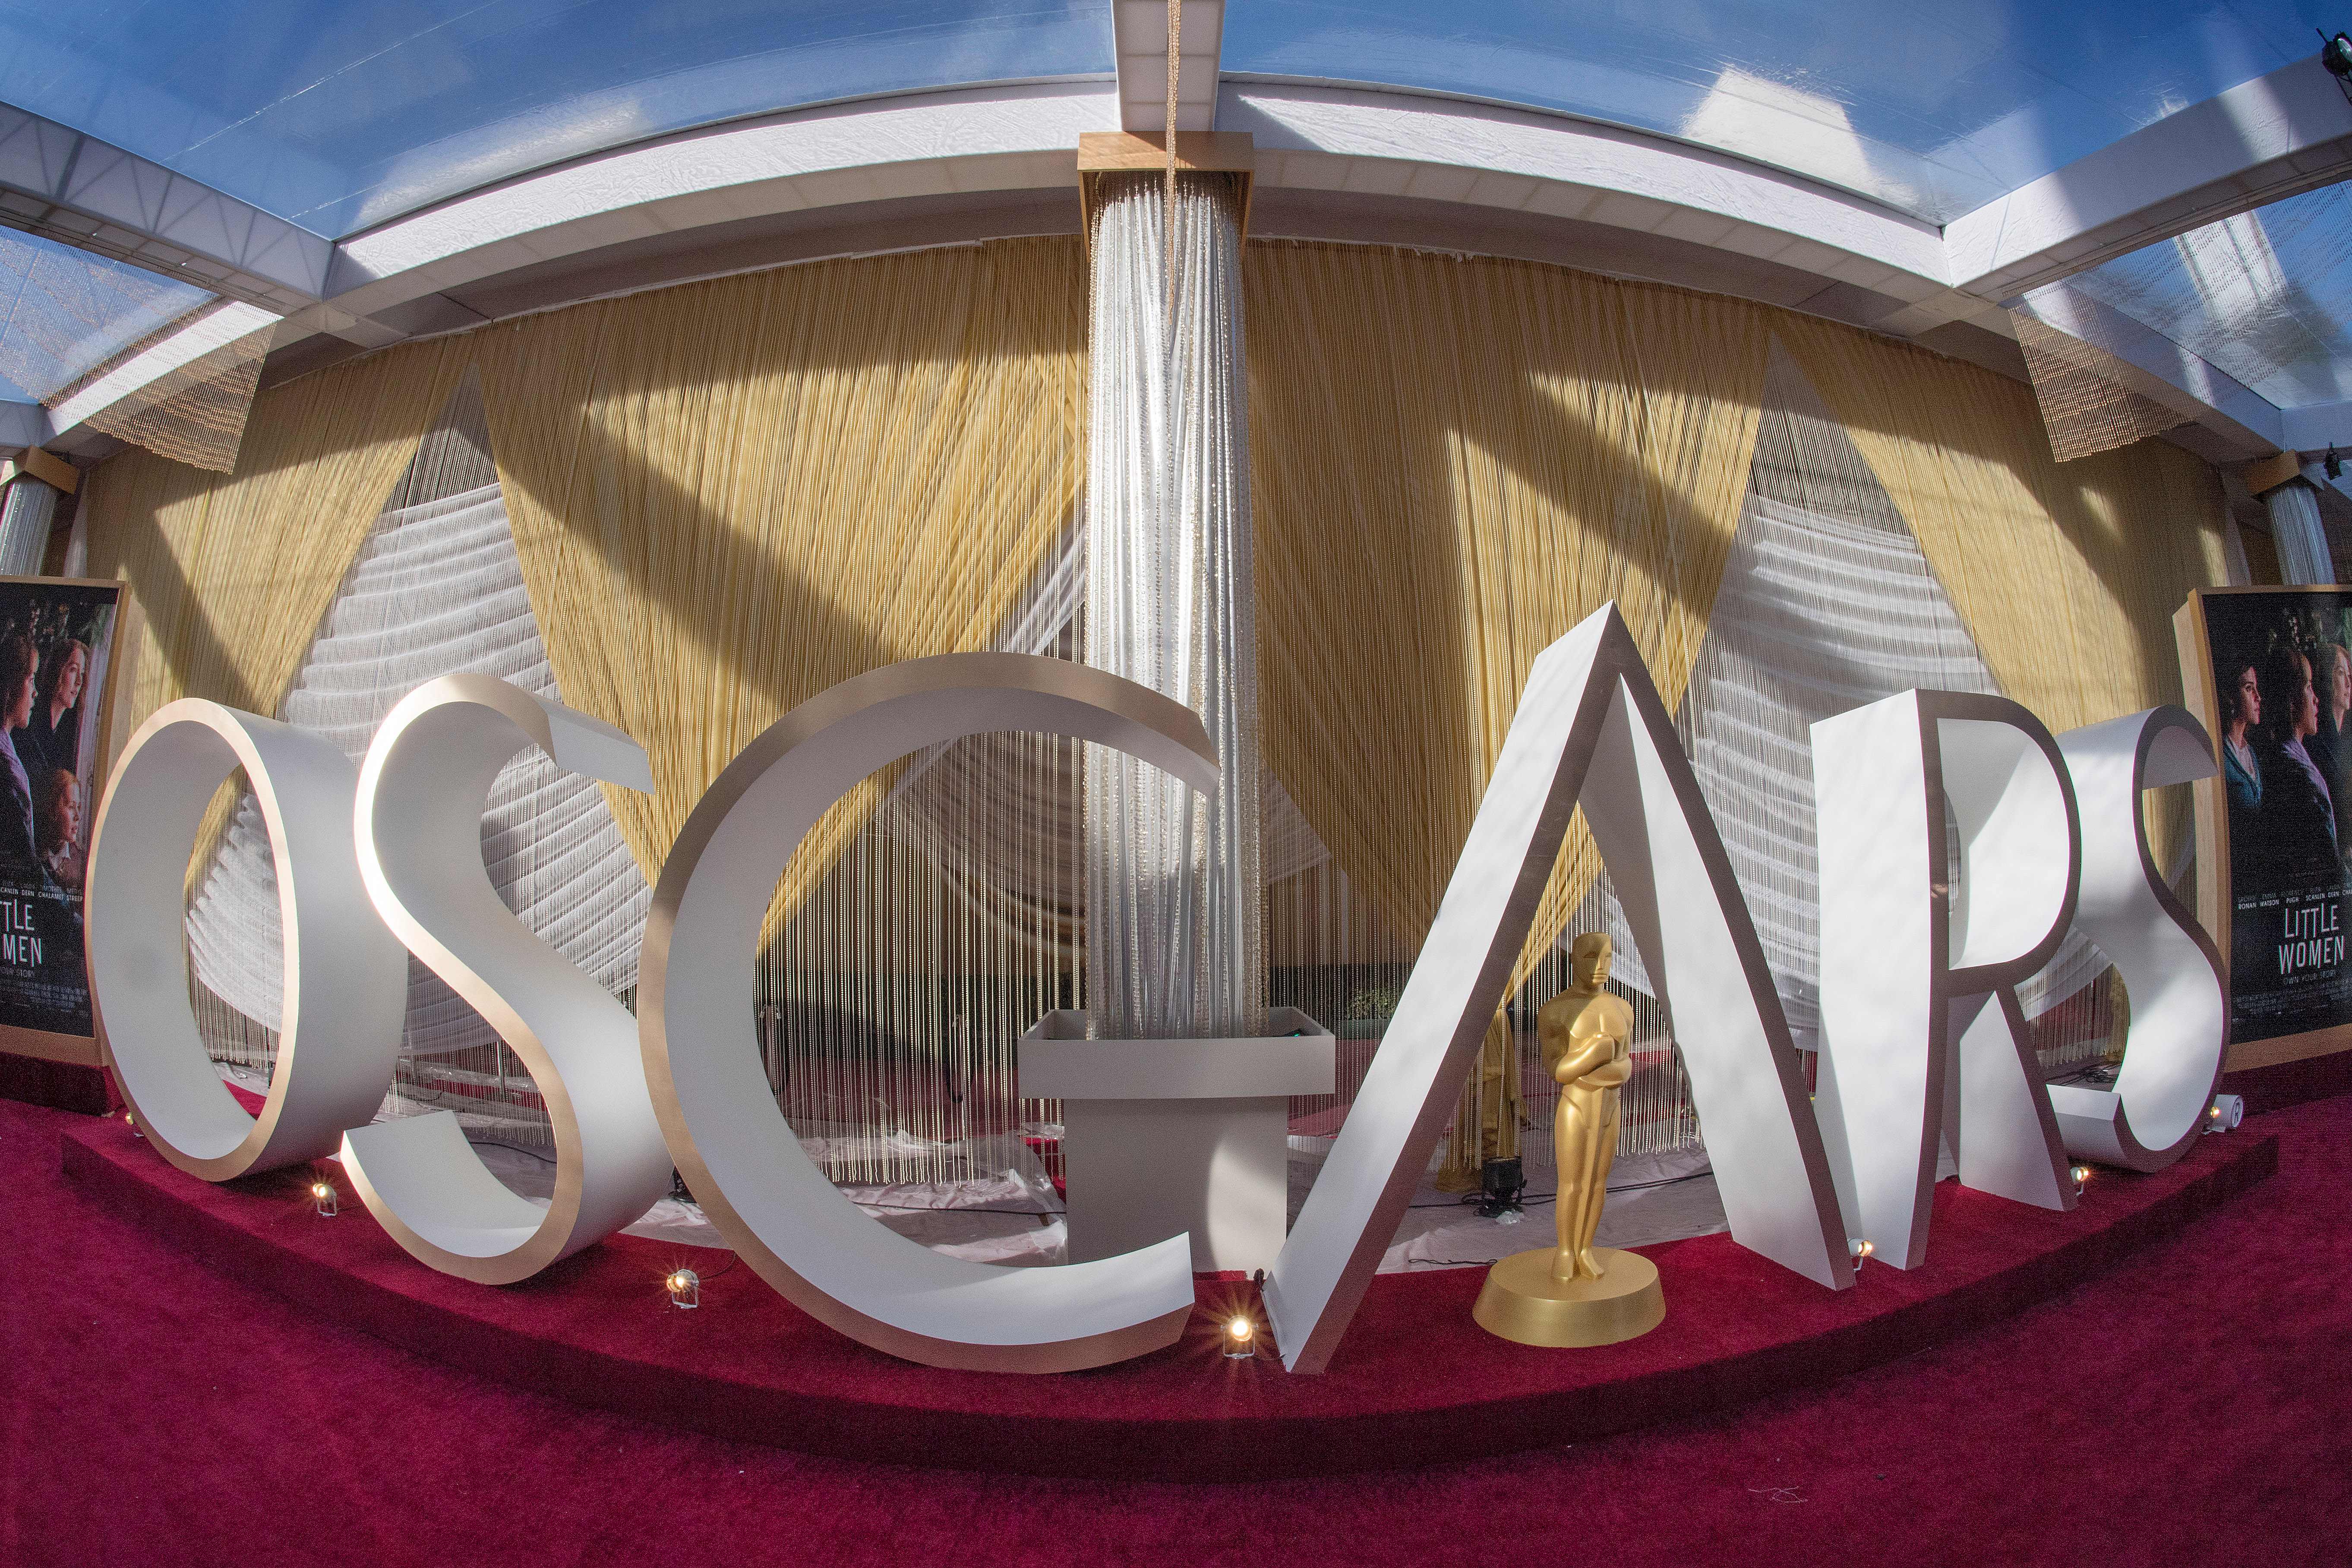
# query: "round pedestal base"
{"type": "Point", "coordinates": [1522, 1301]}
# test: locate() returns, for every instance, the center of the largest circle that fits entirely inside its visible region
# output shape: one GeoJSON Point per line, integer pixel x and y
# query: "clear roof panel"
{"type": "Point", "coordinates": [2264, 295]}
{"type": "Point", "coordinates": [339, 114]}
{"type": "Point", "coordinates": [65, 312]}
{"type": "Point", "coordinates": [1932, 107]}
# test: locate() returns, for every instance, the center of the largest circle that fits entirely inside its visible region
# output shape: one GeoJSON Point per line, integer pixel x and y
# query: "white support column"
{"type": "Point", "coordinates": [24, 522]}
{"type": "Point", "coordinates": [2296, 528]}
{"type": "Point", "coordinates": [1174, 939]}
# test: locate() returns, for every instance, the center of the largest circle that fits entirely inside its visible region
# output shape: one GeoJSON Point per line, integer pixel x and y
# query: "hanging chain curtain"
{"type": "Point", "coordinates": [2066, 576]}
{"type": "Point", "coordinates": [729, 496]}
{"type": "Point", "coordinates": [1456, 461]}
{"type": "Point", "coordinates": [232, 574]}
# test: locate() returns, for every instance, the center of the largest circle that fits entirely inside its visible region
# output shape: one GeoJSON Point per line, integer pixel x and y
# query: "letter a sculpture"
{"type": "Point", "coordinates": [1576, 1293]}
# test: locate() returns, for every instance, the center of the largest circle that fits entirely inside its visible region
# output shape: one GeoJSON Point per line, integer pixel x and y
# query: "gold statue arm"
{"type": "Point", "coordinates": [1579, 1059]}
{"type": "Point", "coordinates": [1612, 1073]}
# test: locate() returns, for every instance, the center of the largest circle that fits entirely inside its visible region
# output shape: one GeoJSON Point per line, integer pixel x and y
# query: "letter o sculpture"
{"type": "Point", "coordinates": [346, 978]}
{"type": "Point", "coordinates": [698, 988]}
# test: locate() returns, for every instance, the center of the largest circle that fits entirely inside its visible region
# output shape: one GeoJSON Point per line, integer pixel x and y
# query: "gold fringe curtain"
{"type": "Point", "coordinates": [1455, 461]}
{"type": "Point", "coordinates": [2066, 576]}
{"type": "Point", "coordinates": [232, 574]}
{"type": "Point", "coordinates": [729, 496]}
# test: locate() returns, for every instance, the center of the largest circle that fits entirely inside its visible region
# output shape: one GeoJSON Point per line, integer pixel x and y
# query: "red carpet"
{"type": "Point", "coordinates": [2187, 1406]}
{"type": "Point", "coordinates": [1413, 1383]}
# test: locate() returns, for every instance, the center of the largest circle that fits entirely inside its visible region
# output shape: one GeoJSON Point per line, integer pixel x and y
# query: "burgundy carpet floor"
{"type": "Point", "coordinates": [1413, 1383]}
{"type": "Point", "coordinates": [2193, 1406]}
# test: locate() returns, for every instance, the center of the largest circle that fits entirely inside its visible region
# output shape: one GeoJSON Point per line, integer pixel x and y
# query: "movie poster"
{"type": "Point", "coordinates": [56, 645]}
{"type": "Point", "coordinates": [2281, 665]}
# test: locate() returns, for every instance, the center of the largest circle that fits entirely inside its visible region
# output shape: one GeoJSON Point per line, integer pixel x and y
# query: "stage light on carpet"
{"type": "Point", "coordinates": [1501, 1184]}
{"type": "Point", "coordinates": [1241, 1339]}
{"type": "Point", "coordinates": [2226, 1112]}
{"type": "Point", "coordinates": [1858, 1248]}
{"type": "Point", "coordinates": [2081, 1174]}
{"type": "Point", "coordinates": [323, 1194]}
{"type": "Point", "coordinates": [685, 1289]}
{"type": "Point", "coordinates": [131, 1122]}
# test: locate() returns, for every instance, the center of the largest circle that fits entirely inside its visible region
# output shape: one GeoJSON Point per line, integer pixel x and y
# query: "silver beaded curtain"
{"type": "Point", "coordinates": [1175, 942]}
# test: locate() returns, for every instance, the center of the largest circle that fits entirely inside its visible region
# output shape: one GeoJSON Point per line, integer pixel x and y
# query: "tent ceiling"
{"type": "Point", "coordinates": [372, 171]}
{"type": "Point", "coordinates": [1933, 107]}
{"type": "Point", "coordinates": [2263, 295]}
{"type": "Point", "coordinates": [64, 312]}
{"type": "Point", "coordinates": [339, 115]}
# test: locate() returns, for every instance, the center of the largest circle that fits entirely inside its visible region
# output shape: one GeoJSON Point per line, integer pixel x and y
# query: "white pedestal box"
{"type": "Point", "coordinates": [1161, 1137]}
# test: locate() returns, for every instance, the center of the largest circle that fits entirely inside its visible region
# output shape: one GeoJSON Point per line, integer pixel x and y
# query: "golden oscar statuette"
{"type": "Point", "coordinates": [1576, 1293]}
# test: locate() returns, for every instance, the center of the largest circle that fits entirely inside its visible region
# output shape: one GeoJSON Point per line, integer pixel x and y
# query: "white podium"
{"type": "Point", "coordinates": [1161, 1137]}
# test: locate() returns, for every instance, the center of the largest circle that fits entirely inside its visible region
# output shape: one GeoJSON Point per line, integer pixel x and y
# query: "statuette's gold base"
{"type": "Point", "coordinates": [1522, 1301]}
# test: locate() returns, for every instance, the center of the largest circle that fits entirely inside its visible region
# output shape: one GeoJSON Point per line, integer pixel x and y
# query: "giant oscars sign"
{"type": "Point", "coordinates": [1926, 931]}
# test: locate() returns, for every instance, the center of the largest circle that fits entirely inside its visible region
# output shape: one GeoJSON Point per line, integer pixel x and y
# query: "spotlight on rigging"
{"type": "Point", "coordinates": [2335, 53]}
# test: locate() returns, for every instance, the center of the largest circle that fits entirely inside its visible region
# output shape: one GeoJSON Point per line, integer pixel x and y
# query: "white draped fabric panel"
{"type": "Point", "coordinates": [436, 590]}
{"type": "Point", "coordinates": [1826, 604]}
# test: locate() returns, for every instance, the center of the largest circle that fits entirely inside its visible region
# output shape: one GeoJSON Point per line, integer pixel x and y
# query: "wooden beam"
{"type": "Point", "coordinates": [2269, 473]}
{"type": "Point", "coordinates": [1203, 151]}
{"type": "Point", "coordinates": [1104, 153]}
{"type": "Point", "coordinates": [45, 466]}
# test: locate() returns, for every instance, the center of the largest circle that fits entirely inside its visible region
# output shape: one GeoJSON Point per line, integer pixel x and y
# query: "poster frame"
{"type": "Point", "coordinates": [2213, 820]}
{"type": "Point", "coordinates": [44, 1044]}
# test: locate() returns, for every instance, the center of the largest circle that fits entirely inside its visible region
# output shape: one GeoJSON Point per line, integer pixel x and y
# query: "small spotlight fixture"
{"type": "Point", "coordinates": [323, 1194]}
{"type": "Point", "coordinates": [2335, 53]}
{"type": "Point", "coordinates": [131, 1122]}
{"type": "Point", "coordinates": [1859, 1248]}
{"type": "Point", "coordinates": [2082, 1175]}
{"type": "Point", "coordinates": [685, 1289]}
{"type": "Point", "coordinates": [1241, 1339]}
{"type": "Point", "coordinates": [1501, 1184]}
{"type": "Point", "coordinates": [2226, 1112]}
